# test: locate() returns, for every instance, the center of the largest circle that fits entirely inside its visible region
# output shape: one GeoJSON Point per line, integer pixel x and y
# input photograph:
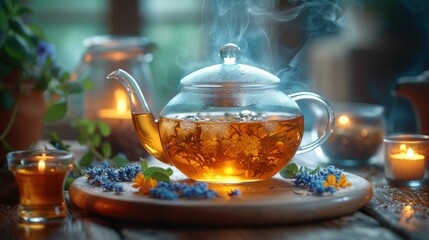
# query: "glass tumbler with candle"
{"type": "Point", "coordinates": [406, 159]}
{"type": "Point", "coordinates": [40, 175]}
{"type": "Point", "coordinates": [357, 135]}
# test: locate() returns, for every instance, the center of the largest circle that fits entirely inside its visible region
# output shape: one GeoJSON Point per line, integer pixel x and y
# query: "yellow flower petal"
{"type": "Point", "coordinates": [152, 182]}
{"type": "Point", "coordinates": [142, 184]}
{"type": "Point", "coordinates": [325, 184]}
{"type": "Point", "coordinates": [331, 181]}
{"type": "Point", "coordinates": [343, 181]}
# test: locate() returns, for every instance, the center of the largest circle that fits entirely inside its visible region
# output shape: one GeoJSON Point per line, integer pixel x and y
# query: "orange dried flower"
{"type": "Point", "coordinates": [343, 181]}
{"type": "Point", "coordinates": [331, 180]}
{"type": "Point", "coordinates": [142, 184]}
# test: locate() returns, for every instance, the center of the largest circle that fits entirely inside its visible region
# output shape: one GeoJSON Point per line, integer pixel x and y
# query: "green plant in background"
{"type": "Point", "coordinates": [27, 57]}
{"type": "Point", "coordinates": [92, 134]}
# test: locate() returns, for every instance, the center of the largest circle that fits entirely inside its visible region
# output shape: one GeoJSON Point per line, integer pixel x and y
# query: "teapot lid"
{"type": "Point", "coordinates": [229, 74]}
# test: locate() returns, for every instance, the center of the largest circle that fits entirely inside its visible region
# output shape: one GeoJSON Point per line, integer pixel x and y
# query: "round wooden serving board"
{"type": "Point", "coordinates": [274, 201]}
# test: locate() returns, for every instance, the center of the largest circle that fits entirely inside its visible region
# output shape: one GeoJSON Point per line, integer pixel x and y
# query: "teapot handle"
{"type": "Point", "coordinates": [329, 126]}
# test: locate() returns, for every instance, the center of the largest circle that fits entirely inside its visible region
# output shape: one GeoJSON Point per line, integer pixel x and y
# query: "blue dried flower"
{"type": "Point", "coordinates": [163, 193]}
{"type": "Point", "coordinates": [105, 164]}
{"type": "Point", "coordinates": [129, 172]}
{"type": "Point", "coordinates": [93, 172]}
{"type": "Point", "coordinates": [317, 187]}
{"type": "Point", "coordinates": [112, 174]}
{"type": "Point", "coordinates": [198, 190]}
{"type": "Point", "coordinates": [331, 189]}
{"type": "Point", "coordinates": [173, 186]}
{"type": "Point", "coordinates": [44, 49]}
{"type": "Point", "coordinates": [111, 186]}
{"type": "Point", "coordinates": [107, 177]}
{"type": "Point", "coordinates": [234, 192]}
{"type": "Point", "coordinates": [175, 190]}
{"type": "Point", "coordinates": [98, 181]}
{"type": "Point", "coordinates": [331, 170]}
{"type": "Point", "coordinates": [314, 182]}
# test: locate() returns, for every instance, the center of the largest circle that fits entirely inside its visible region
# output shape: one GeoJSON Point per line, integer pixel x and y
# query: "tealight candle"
{"type": "Point", "coordinates": [40, 176]}
{"type": "Point", "coordinates": [121, 110]}
{"type": "Point", "coordinates": [123, 137]}
{"type": "Point", "coordinates": [406, 157]}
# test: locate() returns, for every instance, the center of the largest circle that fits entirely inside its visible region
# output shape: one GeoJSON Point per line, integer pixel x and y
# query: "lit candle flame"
{"type": "Point", "coordinates": [121, 101]}
{"type": "Point", "coordinates": [121, 109]}
{"type": "Point", "coordinates": [408, 154]}
{"type": "Point", "coordinates": [343, 120]}
{"type": "Point", "coordinates": [42, 165]}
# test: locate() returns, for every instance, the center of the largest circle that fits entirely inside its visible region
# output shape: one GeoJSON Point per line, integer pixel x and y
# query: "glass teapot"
{"type": "Point", "coordinates": [230, 123]}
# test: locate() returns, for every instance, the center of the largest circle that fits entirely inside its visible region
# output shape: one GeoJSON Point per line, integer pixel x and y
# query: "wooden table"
{"type": "Point", "coordinates": [393, 213]}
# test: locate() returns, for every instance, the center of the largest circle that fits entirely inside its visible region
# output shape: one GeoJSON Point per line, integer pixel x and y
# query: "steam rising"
{"type": "Point", "coordinates": [271, 34]}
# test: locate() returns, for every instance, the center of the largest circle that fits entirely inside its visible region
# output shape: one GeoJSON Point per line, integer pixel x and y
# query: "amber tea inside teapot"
{"type": "Point", "coordinates": [230, 122]}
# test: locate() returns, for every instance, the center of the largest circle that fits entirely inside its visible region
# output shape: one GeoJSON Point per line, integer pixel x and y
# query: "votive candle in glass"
{"type": "Point", "coordinates": [406, 157]}
{"type": "Point", "coordinates": [357, 135]}
{"type": "Point", "coordinates": [40, 175]}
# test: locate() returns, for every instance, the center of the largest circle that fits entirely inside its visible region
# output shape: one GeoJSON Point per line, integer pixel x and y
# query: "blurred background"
{"type": "Point", "coordinates": [347, 51]}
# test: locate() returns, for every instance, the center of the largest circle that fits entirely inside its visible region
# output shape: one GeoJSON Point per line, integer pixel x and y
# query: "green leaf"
{"type": "Point", "coordinates": [9, 5]}
{"type": "Point", "coordinates": [4, 25]}
{"type": "Point", "coordinates": [83, 136]}
{"type": "Point", "coordinates": [56, 112]}
{"type": "Point", "coordinates": [24, 9]}
{"type": "Point", "coordinates": [73, 87]}
{"type": "Point", "coordinates": [106, 149]}
{"type": "Point", "coordinates": [63, 77]}
{"type": "Point", "coordinates": [87, 124]}
{"type": "Point", "coordinates": [69, 181]}
{"type": "Point", "coordinates": [316, 170]}
{"type": "Point", "coordinates": [159, 176]}
{"type": "Point", "coordinates": [86, 159]}
{"type": "Point", "coordinates": [143, 163]}
{"type": "Point", "coordinates": [148, 172]}
{"type": "Point", "coordinates": [290, 171]}
{"type": "Point", "coordinates": [38, 32]}
{"type": "Point", "coordinates": [20, 28]}
{"type": "Point", "coordinates": [95, 140]}
{"type": "Point", "coordinates": [104, 128]}
{"type": "Point", "coordinates": [17, 48]}
{"type": "Point", "coordinates": [57, 142]}
{"type": "Point", "coordinates": [87, 84]}
{"type": "Point", "coordinates": [119, 161]}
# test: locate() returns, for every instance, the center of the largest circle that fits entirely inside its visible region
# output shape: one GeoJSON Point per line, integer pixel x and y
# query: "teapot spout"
{"type": "Point", "coordinates": [137, 101]}
{"type": "Point", "coordinates": [145, 124]}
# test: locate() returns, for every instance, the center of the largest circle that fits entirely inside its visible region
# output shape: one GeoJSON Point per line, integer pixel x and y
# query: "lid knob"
{"type": "Point", "coordinates": [229, 53]}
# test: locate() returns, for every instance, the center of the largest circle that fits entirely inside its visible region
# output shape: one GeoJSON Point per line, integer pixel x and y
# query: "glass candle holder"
{"type": "Point", "coordinates": [357, 135]}
{"type": "Point", "coordinates": [108, 100]}
{"type": "Point", "coordinates": [40, 175]}
{"type": "Point", "coordinates": [406, 159]}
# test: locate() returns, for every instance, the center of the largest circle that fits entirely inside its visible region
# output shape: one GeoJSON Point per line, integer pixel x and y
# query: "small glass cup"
{"type": "Point", "coordinates": [406, 159]}
{"type": "Point", "coordinates": [357, 135]}
{"type": "Point", "coordinates": [40, 175]}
